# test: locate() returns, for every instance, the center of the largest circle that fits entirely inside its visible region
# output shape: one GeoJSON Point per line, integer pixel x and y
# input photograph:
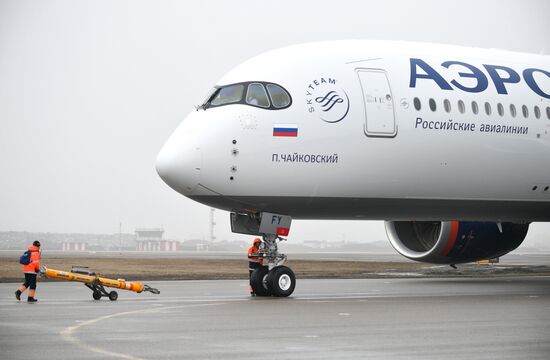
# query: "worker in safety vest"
{"type": "Point", "coordinates": [30, 270]}
{"type": "Point", "coordinates": [255, 260]}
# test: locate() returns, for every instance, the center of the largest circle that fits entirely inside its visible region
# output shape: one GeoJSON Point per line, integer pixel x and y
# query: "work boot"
{"type": "Point", "coordinates": [18, 294]}
{"type": "Point", "coordinates": [31, 300]}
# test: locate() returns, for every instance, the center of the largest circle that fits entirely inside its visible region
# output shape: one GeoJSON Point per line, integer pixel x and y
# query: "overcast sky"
{"type": "Point", "coordinates": [90, 90]}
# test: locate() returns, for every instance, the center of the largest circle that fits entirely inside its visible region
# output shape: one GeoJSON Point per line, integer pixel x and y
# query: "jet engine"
{"type": "Point", "coordinates": [454, 242]}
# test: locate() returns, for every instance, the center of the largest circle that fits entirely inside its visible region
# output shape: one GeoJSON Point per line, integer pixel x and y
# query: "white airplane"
{"type": "Point", "coordinates": [449, 145]}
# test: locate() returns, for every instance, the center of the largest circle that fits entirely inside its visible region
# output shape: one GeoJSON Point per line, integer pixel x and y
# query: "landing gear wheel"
{"type": "Point", "coordinates": [96, 295]}
{"type": "Point", "coordinates": [259, 283]}
{"type": "Point", "coordinates": [113, 295]}
{"type": "Point", "coordinates": [281, 281]}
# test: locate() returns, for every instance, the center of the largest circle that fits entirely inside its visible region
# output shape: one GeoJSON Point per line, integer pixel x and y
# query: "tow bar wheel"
{"type": "Point", "coordinates": [96, 295]}
{"type": "Point", "coordinates": [282, 281]}
{"type": "Point", "coordinates": [113, 295]}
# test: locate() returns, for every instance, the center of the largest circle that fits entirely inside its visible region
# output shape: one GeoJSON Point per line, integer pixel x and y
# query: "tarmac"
{"type": "Point", "coordinates": [413, 318]}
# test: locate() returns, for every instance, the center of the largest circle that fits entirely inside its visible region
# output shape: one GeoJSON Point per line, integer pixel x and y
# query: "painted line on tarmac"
{"type": "Point", "coordinates": [301, 297]}
{"type": "Point", "coordinates": [207, 298]}
{"type": "Point", "coordinates": [94, 303]}
{"type": "Point", "coordinates": [69, 333]}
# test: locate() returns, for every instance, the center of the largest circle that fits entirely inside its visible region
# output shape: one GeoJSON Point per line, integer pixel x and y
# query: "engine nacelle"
{"type": "Point", "coordinates": [454, 242]}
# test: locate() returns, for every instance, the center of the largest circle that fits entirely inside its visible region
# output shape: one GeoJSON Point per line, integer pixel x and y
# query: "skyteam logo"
{"type": "Point", "coordinates": [327, 100]}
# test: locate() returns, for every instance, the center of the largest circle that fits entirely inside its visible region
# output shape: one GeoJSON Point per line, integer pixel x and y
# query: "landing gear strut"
{"type": "Point", "coordinates": [273, 279]}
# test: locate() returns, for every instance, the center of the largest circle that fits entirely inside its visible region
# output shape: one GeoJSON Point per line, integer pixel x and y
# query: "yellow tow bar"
{"type": "Point", "coordinates": [96, 283]}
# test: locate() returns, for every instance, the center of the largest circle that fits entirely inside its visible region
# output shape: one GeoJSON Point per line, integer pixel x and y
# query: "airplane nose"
{"type": "Point", "coordinates": [179, 162]}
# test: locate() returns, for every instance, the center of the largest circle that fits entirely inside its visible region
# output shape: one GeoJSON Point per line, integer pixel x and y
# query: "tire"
{"type": "Point", "coordinates": [282, 281]}
{"type": "Point", "coordinates": [259, 283]}
{"type": "Point", "coordinates": [113, 295]}
{"type": "Point", "coordinates": [96, 295]}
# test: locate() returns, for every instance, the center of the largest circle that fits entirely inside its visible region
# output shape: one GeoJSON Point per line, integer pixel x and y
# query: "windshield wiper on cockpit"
{"type": "Point", "coordinates": [207, 99]}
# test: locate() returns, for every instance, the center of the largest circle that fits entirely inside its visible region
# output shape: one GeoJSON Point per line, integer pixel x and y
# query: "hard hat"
{"type": "Point", "coordinates": [36, 243]}
{"type": "Point", "coordinates": [257, 241]}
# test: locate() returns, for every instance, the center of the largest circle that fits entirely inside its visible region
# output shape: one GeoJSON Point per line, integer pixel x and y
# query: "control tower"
{"type": "Point", "coordinates": [152, 239]}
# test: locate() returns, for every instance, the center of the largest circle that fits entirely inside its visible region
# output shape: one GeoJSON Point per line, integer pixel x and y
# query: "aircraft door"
{"type": "Point", "coordinates": [378, 100]}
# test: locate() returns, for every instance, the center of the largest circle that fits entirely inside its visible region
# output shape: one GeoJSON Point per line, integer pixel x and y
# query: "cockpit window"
{"type": "Point", "coordinates": [274, 98]}
{"type": "Point", "coordinates": [229, 94]}
{"type": "Point", "coordinates": [279, 97]}
{"type": "Point", "coordinates": [257, 95]}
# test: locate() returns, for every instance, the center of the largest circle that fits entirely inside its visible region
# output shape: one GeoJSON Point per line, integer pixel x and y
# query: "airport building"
{"type": "Point", "coordinates": [73, 246]}
{"type": "Point", "coordinates": [153, 240]}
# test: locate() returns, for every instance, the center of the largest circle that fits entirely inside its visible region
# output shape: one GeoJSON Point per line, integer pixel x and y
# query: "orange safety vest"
{"type": "Point", "coordinates": [253, 250]}
{"type": "Point", "coordinates": [34, 266]}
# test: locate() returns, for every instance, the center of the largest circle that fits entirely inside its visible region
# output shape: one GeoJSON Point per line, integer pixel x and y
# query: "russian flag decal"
{"type": "Point", "coordinates": [289, 130]}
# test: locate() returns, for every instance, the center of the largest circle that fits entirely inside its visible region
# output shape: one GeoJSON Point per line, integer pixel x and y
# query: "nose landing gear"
{"type": "Point", "coordinates": [274, 279]}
